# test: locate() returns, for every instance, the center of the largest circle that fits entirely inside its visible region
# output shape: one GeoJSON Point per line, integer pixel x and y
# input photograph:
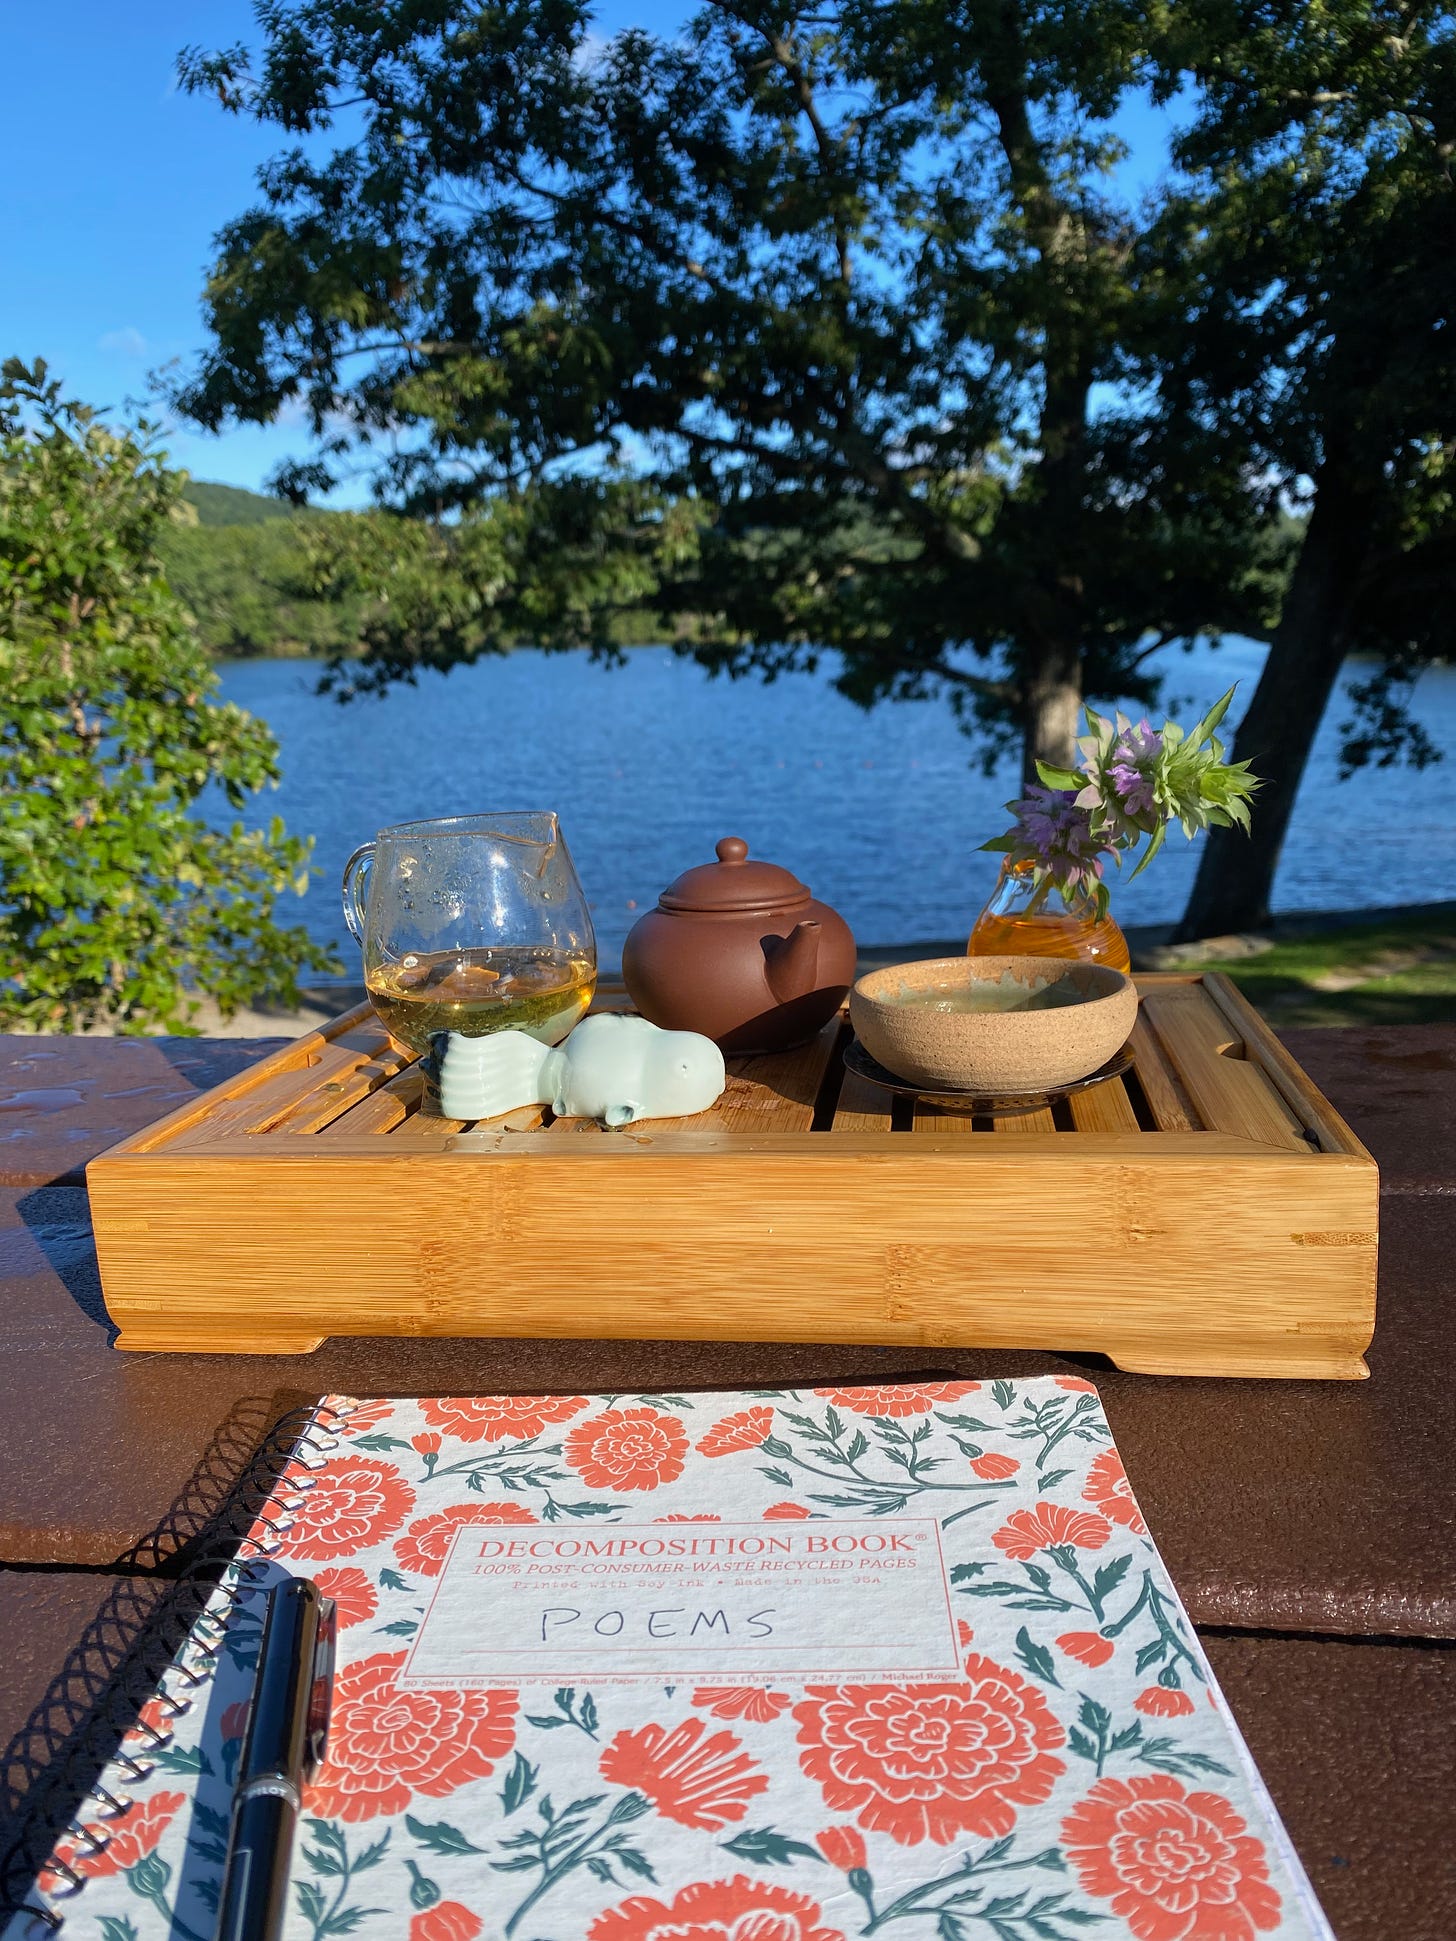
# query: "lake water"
{"type": "Point", "coordinates": [880, 813]}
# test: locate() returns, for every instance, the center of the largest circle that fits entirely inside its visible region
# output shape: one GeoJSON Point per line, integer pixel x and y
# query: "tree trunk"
{"type": "Point", "coordinates": [1236, 872]}
{"type": "Point", "coordinates": [1053, 707]}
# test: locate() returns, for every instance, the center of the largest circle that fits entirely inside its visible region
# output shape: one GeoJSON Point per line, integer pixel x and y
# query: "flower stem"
{"type": "Point", "coordinates": [1061, 1556]}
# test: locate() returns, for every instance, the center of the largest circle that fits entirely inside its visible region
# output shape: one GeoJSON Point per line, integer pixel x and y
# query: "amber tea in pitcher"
{"type": "Point", "coordinates": [473, 924]}
{"type": "Point", "coordinates": [541, 992]}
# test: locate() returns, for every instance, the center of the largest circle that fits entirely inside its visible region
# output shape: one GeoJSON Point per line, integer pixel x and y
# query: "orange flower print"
{"type": "Point", "coordinates": [842, 1846]}
{"type": "Point", "coordinates": [1164, 1702]}
{"type": "Point", "coordinates": [1107, 1487]}
{"type": "Point", "coordinates": [994, 1468]}
{"type": "Point", "coordinates": [1074, 1385]}
{"type": "Point", "coordinates": [352, 1590]}
{"type": "Point", "coordinates": [387, 1745]}
{"type": "Point", "coordinates": [424, 1544]}
{"type": "Point", "coordinates": [964, 1633]}
{"type": "Point", "coordinates": [498, 1418]}
{"type": "Point", "coordinates": [1026, 1531]}
{"type": "Point", "coordinates": [234, 1721]}
{"type": "Point", "coordinates": [445, 1921]}
{"type": "Point", "coordinates": [717, 1910]}
{"type": "Point", "coordinates": [364, 1416]}
{"type": "Point", "coordinates": [931, 1762]}
{"type": "Point", "coordinates": [128, 1840]}
{"type": "Point", "coordinates": [626, 1449]}
{"type": "Point", "coordinates": [353, 1506]}
{"type": "Point", "coordinates": [427, 1442]}
{"type": "Point", "coordinates": [154, 1720]}
{"type": "Point", "coordinates": [1087, 1647]}
{"type": "Point", "coordinates": [696, 1778]}
{"type": "Point", "coordinates": [1176, 1866]}
{"type": "Point", "coordinates": [734, 1432]}
{"type": "Point", "coordinates": [749, 1702]}
{"type": "Point", "coordinates": [897, 1399]}
{"type": "Point", "coordinates": [786, 1513]}
{"type": "Point", "coordinates": [682, 1516]}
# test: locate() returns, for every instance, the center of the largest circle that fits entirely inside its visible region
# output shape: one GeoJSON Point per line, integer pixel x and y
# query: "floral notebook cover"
{"type": "Point", "coordinates": [782, 1665]}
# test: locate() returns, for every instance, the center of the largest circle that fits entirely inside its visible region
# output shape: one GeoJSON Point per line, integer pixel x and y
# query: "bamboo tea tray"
{"type": "Point", "coordinates": [1208, 1213]}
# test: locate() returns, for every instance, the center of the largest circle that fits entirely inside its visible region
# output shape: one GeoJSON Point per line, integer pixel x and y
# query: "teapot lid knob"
{"type": "Point", "coordinates": [735, 884]}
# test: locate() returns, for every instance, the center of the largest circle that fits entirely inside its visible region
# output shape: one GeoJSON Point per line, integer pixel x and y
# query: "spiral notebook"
{"type": "Point", "coordinates": [778, 1665]}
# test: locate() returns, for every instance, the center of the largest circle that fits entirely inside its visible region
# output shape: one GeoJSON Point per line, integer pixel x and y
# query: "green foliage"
{"type": "Point", "coordinates": [853, 294]}
{"type": "Point", "coordinates": [116, 905]}
{"type": "Point", "coordinates": [568, 564]}
{"type": "Point", "coordinates": [866, 350]}
{"type": "Point", "coordinates": [245, 585]}
{"type": "Point", "coordinates": [1315, 216]}
{"type": "Point", "coordinates": [1313, 339]}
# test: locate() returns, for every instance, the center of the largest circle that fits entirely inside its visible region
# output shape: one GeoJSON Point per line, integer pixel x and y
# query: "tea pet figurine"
{"type": "Point", "coordinates": [612, 1069]}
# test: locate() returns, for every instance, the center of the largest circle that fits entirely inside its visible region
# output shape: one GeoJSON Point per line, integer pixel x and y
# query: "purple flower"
{"type": "Point", "coordinates": [1134, 789]}
{"type": "Point", "coordinates": [1131, 767]}
{"type": "Point", "coordinates": [1056, 833]}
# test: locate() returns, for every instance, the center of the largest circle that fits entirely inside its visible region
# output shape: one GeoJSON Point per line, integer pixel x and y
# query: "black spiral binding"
{"type": "Point", "coordinates": [192, 1630]}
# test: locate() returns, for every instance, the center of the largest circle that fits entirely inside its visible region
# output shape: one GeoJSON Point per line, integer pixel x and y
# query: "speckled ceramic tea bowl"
{"type": "Point", "coordinates": [993, 1025]}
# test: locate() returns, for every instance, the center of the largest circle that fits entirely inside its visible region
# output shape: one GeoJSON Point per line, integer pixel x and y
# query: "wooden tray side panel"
{"type": "Point", "coordinates": [680, 1245]}
{"type": "Point", "coordinates": [309, 1197]}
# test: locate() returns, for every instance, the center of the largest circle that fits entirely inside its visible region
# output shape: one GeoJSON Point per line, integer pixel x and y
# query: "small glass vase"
{"type": "Point", "coordinates": [1022, 920]}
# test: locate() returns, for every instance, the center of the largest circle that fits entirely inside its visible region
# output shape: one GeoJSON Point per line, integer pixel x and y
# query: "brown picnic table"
{"type": "Point", "coordinates": [1311, 1527]}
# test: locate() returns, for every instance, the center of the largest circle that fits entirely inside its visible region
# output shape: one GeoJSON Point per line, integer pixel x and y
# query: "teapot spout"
{"type": "Point", "coordinates": [792, 962]}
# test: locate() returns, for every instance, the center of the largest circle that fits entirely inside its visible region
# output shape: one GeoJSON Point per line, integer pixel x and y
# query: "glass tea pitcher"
{"type": "Point", "coordinates": [472, 923]}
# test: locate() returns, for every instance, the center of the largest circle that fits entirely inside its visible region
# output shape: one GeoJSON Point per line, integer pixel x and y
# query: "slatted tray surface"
{"type": "Point", "coordinates": [1212, 1112]}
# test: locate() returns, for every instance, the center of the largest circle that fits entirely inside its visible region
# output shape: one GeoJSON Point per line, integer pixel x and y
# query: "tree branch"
{"type": "Point", "coordinates": [784, 54]}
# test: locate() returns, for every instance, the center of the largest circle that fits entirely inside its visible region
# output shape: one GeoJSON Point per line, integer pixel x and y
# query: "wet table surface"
{"type": "Point", "coordinates": [1309, 1526]}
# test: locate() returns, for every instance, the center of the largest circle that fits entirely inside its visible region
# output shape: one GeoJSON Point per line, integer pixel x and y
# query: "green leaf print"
{"type": "Point", "coordinates": [1036, 1658]}
{"type": "Point", "coordinates": [520, 1783]}
{"type": "Point", "coordinates": [439, 1836]}
{"type": "Point", "coordinates": [330, 1859]}
{"type": "Point", "coordinates": [583, 1716]}
{"type": "Point", "coordinates": [567, 1840]}
{"type": "Point", "coordinates": [762, 1846]}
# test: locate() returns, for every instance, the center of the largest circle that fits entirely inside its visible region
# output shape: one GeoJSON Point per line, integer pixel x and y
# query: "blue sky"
{"type": "Point", "coordinates": [116, 183]}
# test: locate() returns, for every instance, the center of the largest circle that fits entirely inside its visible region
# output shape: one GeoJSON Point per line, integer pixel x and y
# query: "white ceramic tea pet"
{"type": "Point", "coordinates": [612, 1069]}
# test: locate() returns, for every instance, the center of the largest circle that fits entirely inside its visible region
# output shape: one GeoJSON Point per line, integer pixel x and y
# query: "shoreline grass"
{"type": "Point", "coordinates": [1399, 970]}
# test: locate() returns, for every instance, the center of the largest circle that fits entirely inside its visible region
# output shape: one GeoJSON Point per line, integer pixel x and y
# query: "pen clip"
{"type": "Point", "coordinates": [321, 1693]}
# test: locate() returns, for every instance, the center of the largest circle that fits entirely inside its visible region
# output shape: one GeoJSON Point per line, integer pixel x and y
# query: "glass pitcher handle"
{"type": "Point", "coordinates": [355, 889]}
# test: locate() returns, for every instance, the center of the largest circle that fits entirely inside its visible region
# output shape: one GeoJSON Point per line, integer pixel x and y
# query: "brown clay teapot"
{"type": "Point", "coordinates": [741, 952]}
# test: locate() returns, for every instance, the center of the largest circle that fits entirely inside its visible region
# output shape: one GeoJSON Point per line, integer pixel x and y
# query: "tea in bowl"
{"type": "Point", "coordinates": [993, 1025]}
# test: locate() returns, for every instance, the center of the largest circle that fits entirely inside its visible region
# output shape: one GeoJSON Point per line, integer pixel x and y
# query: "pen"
{"type": "Point", "coordinates": [287, 1730]}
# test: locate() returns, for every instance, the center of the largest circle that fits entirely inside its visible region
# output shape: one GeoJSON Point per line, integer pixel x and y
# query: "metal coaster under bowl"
{"type": "Point", "coordinates": [858, 1061]}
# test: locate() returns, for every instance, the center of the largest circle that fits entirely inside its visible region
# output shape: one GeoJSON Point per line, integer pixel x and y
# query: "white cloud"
{"type": "Point", "coordinates": [124, 343]}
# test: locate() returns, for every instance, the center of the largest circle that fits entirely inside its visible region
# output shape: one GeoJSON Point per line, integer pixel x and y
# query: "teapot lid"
{"type": "Point", "coordinates": [734, 883]}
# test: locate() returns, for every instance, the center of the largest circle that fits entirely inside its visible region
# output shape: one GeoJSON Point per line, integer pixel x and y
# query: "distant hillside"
{"type": "Point", "coordinates": [242, 572]}
{"type": "Point", "coordinates": [230, 505]}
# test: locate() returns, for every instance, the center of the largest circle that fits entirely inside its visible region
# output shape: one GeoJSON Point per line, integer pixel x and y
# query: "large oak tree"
{"type": "Point", "coordinates": [1320, 333]}
{"type": "Point", "coordinates": [832, 330]}
{"type": "Point", "coordinates": [844, 295]}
